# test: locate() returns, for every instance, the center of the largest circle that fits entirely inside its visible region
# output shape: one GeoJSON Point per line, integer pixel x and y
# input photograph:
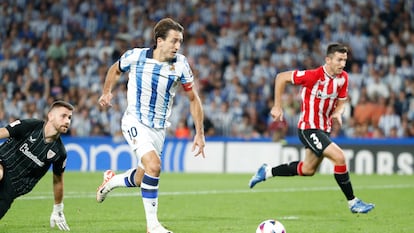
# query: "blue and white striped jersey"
{"type": "Point", "coordinates": [152, 85]}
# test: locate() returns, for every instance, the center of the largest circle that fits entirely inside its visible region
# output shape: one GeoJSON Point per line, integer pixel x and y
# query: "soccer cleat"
{"type": "Point", "coordinates": [158, 229]}
{"type": "Point", "coordinates": [259, 176]}
{"type": "Point", "coordinates": [361, 207]}
{"type": "Point", "coordinates": [102, 190]}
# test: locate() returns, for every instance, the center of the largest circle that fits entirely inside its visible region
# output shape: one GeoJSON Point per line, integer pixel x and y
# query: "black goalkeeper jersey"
{"type": "Point", "coordinates": [27, 157]}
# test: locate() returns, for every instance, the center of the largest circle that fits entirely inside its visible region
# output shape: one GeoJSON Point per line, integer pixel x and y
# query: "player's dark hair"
{"type": "Point", "coordinates": [336, 47]}
{"type": "Point", "coordinates": [162, 28]}
{"type": "Point", "coordinates": [60, 103]}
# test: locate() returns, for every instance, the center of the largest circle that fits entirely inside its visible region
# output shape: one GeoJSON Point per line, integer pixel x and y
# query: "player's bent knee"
{"type": "Point", "coordinates": [153, 169]}
{"type": "Point", "coordinates": [308, 171]}
{"type": "Point", "coordinates": [339, 159]}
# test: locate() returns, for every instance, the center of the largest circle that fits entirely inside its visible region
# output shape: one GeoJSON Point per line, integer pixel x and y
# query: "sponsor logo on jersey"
{"type": "Point", "coordinates": [25, 150]}
{"type": "Point", "coordinates": [31, 139]}
{"type": "Point", "coordinates": [323, 95]}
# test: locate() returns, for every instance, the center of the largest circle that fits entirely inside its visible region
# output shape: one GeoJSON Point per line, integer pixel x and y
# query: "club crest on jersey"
{"type": "Point", "coordinates": [341, 81]}
{"type": "Point", "coordinates": [50, 154]}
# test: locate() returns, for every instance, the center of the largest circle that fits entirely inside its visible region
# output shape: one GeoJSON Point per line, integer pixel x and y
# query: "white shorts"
{"type": "Point", "coordinates": [141, 138]}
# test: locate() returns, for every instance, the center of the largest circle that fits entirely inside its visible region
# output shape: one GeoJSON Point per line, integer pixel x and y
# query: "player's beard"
{"type": "Point", "coordinates": [338, 70]}
{"type": "Point", "coordinates": [63, 129]}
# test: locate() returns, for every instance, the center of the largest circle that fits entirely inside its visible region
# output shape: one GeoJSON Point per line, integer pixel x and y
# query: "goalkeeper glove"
{"type": "Point", "coordinates": [58, 218]}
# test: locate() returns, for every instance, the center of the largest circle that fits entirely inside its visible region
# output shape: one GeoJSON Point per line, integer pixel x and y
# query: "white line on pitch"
{"type": "Point", "coordinates": [117, 193]}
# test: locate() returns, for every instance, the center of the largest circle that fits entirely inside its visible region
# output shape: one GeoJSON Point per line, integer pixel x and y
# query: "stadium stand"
{"type": "Point", "coordinates": [61, 49]}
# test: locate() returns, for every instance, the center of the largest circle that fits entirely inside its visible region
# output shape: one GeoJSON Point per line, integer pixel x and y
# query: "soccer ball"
{"type": "Point", "coordinates": [270, 226]}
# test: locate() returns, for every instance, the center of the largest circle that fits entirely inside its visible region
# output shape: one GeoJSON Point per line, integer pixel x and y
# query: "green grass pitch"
{"type": "Point", "coordinates": [221, 203]}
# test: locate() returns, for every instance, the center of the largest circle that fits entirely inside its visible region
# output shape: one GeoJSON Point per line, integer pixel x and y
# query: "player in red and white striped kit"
{"type": "Point", "coordinates": [324, 94]}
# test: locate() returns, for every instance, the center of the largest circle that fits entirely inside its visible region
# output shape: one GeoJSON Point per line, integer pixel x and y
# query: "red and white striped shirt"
{"type": "Point", "coordinates": [319, 94]}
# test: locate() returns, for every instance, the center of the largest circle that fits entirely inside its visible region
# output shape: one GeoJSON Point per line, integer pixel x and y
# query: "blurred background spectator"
{"type": "Point", "coordinates": [61, 49]}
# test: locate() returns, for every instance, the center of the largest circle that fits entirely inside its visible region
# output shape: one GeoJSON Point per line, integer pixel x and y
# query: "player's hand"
{"type": "Point", "coordinates": [58, 218]}
{"type": "Point", "coordinates": [337, 117]}
{"type": "Point", "coordinates": [199, 144]}
{"type": "Point", "coordinates": [105, 100]}
{"type": "Point", "coordinates": [277, 113]}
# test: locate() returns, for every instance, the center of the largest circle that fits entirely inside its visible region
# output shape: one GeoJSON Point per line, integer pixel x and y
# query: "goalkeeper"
{"type": "Point", "coordinates": [32, 146]}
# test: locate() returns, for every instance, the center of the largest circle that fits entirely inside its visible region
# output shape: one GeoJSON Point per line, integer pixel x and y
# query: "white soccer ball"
{"type": "Point", "coordinates": [270, 226]}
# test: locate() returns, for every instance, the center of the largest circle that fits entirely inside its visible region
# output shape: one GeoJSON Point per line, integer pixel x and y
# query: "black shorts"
{"type": "Point", "coordinates": [315, 139]}
{"type": "Point", "coordinates": [7, 194]}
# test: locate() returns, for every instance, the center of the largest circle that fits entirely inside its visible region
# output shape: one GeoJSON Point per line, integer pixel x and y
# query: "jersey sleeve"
{"type": "Point", "coordinates": [343, 90]}
{"type": "Point", "coordinates": [59, 167]}
{"type": "Point", "coordinates": [187, 77]}
{"type": "Point", "coordinates": [303, 77]}
{"type": "Point", "coordinates": [127, 59]}
{"type": "Point", "coordinates": [60, 164]}
{"type": "Point", "coordinates": [19, 128]}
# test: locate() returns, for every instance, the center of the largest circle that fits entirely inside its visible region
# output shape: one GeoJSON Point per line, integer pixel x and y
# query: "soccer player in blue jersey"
{"type": "Point", "coordinates": [154, 75]}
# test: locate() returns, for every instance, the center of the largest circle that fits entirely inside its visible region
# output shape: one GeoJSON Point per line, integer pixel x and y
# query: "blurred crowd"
{"type": "Point", "coordinates": [61, 49]}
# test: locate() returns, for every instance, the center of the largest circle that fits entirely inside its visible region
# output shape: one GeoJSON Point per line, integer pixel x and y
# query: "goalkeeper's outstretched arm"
{"type": "Point", "coordinates": [57, 217]}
